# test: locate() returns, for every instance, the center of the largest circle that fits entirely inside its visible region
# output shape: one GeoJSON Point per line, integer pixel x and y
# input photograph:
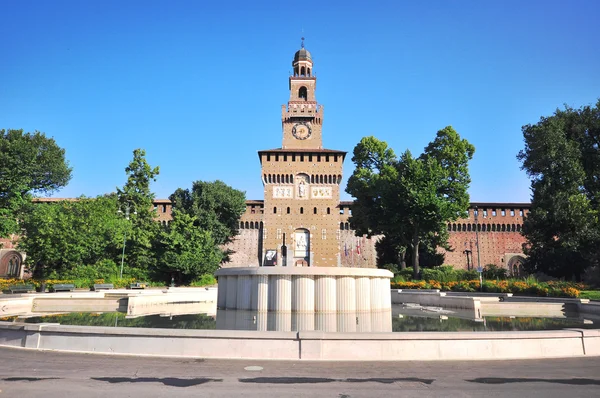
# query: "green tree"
{"type": "Point", "coordinates": [215, 206]}
{"type": "Point", "coordinates": [136, 203]}
{"type": "Point", "coordinates": [62, 237]}
{"type": "Point", "coordinates": [186, 250]}
{"type": "Point", "coordinates": [30, 163]}
{"type": "Point", "coordinates": [410, 200]}
{"type": "Point", "coordinates": [562, 158]}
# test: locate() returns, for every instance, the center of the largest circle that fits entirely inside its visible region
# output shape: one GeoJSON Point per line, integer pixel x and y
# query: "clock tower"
{"type": "Point", "coordinates": [301, 221]}
{"type": "Point", "coordinates": [302, 117]}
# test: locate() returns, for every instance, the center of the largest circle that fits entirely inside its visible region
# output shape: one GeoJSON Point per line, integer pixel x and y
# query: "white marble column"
{"type": "Point", "coordinates": [376, 299]}
{"type": "Point", "coordinates": [364, 321]}
{"type": "Point", "coordinates": [231, 300]}
{"type": "Point", "coordinates": [325, 303]}
{"type": "Point", "coordinates": [222, 292]}
{"type": "Point", "coordinates": [244, 288]}
{"type": "Point", "coordinates": [303, 294]}
{"type": "Point", "coordinates": [260, 293]}
{"type": "Point", "coordinates": [282, 293]}
{"type": "Point", "coordinates": [363, 294]}
{"type": "Point", "coordinates": [346, 294]}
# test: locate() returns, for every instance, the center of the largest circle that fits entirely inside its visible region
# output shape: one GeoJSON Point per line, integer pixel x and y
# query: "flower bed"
{"type": "Point", "coordinates": [523, 287]}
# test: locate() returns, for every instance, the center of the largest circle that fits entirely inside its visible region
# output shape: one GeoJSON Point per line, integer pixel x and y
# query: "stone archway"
{"type": "Point", "coordinates": [11, 264]}
{"type": "Point", "coordinates": [302, 246]}
{"type": "Point", "coordinates": [514, 264]}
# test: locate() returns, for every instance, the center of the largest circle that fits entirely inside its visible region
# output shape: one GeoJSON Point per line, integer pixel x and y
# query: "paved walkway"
{"type": "Point", "coordinates": [45, 374]}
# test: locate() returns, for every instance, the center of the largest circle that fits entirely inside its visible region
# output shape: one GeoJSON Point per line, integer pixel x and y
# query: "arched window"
{"type": "Point", "coordinates": [241, 225]}
{"type": "Point", "coordinates": [347, 226]}
{"type": "Point", "coordinates": [493, 227]}
{"type": "Point", "coordinates": [513, 228]}
{"type": "Point", "coordinates": [478, 227]}
{"type": "Point", "coordinates": [247, 225]}
{"type": "Point", "coordinates": [328, 210]}
{"type": "Point", "coordinates": [342, 226]}
{"type": "Point", "coordinates": [288, 210]}
{"type": "Point", "coordinates": [454, 227]}
{"type": "Point", "coordinates": [518, 227]}
{"type": "Point", "coordinates": [261, 225]}
{"type": "Point", "coordinates": [302, 210]}
{"type": "Point", "coordinates": [503, 227]}
{"type": "Point", "coordinates": [303, 93]}
{"type": "Point", "coordinates": [251, 224]}
{"type": "Point", "coordinates": [274, 210]}
{"type": "Point", "coordinates": [315, 210]}
{"type": "Point", "coordinates": [483, 227]}
{"type": "Point", "coordinates": [302, 71]}
{"type": "Point", "coordinates": [469, 227]}
{"type": "Point", "coordinates": [464, 228]}
{"type": "Point", "coordinates": [308, 71]}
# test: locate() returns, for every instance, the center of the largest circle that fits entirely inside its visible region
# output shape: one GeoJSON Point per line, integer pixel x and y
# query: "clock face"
{"type": "Point", "coordinates": [301, 131]}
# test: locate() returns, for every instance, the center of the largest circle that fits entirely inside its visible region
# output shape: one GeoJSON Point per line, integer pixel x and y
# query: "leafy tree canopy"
{"type": "Point", "coordinates": [186, 250]}
{"type": "Point", "coordinates": [30, 163]}
{"type": "Point", "coordinates": [410, 200]}
{"type": "Point", "coordinates": [136, 204]}
{"type": "Point", "coordinates": [62, 236]}
{"type": "Point", "coordinates": [215, 207]}
{"type": "Point", "coordinates": [562, 157]}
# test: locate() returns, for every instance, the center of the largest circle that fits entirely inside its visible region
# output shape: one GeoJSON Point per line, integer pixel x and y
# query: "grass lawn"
{"type": "Point", "coordinates": [590, 294]}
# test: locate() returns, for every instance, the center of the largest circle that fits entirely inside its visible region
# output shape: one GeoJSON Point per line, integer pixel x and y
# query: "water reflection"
{"type": "Point", "coordinates": [375, 321]}
{"type": "Point", "coordinates": [400, 319]}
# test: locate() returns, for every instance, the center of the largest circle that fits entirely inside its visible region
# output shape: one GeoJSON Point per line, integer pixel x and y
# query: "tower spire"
{"type": "Point", "coordinates": [302, 42]}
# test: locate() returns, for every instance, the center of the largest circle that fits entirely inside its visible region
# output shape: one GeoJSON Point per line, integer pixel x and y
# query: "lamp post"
{"type": "Point", "coordinates": [478, 253]}
{"type": "Point", "coordinates": [124, 237]}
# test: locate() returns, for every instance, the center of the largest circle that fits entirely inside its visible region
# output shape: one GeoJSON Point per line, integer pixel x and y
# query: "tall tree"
{"type": "Point", "coordinates": [136, 203]}
{"type": "Point", "coordinates": [562, 158]}
{"type": "Point", "coordinates": [215, 206]}
{"type": "Point", "coordinates": [30, 163]}
{"type": "Point", "coordinates": [186, 250]}
{"type": "Point", "coordinates": [410, 200]}
{"type": "Point", "coordinates": [63, 236]}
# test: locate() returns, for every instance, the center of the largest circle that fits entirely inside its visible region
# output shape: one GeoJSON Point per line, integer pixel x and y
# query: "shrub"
{"type": "Point", "coordinates": [204, 280]}
{"type": "Point", "coordinates": [393, 268]}
{"type": "Point", "coordinates": [591, 276]}
{"type": "Point", "coordinates": [491, 271]}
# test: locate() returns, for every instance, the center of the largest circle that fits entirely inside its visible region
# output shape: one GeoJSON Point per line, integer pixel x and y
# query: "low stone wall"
{"type": "Point", "coordinates": [303, 345]}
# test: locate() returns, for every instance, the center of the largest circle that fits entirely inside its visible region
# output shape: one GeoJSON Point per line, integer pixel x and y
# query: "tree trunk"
{"type": "Point", "coordinates": [402, 259]}
{"type": "Point", "coordinates": [415, 257]}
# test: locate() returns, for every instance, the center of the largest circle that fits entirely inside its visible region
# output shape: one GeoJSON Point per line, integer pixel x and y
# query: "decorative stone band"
{"type": "Point", "coordinates": [318, 290]}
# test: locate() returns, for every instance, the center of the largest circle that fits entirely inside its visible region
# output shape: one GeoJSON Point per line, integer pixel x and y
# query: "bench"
{"type": "Point", "coordinates": [137, 285]}
{"type": "Point", "coordinates": [21, 288]}
{"type": "Point", "coordinates": [63, 287]}
{"type": "Point", "coordinates": [103, 286]}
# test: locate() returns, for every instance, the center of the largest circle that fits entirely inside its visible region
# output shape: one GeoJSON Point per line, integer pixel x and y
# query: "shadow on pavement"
{"type": "Point", "coordinates": [500, 380]}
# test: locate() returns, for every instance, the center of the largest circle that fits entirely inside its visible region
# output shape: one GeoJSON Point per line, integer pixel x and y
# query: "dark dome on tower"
{"type": "Point", "coordinates": [302, 55]}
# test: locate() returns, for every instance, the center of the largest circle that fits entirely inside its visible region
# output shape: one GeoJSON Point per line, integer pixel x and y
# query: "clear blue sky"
{"type": "Point", "coordinates": [199, 84]}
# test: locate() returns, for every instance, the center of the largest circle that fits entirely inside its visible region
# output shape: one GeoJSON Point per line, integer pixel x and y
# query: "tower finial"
{"type": "Point", "coordinates": [302, 43]}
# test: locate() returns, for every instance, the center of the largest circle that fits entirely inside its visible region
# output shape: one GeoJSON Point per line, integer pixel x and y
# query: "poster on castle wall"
{"type": "Point", "coordinates": [270, 258]}
{"type": "Point", "coordinates": [282, 192]}
{"type": "Point", "coordinates": [321, 192]}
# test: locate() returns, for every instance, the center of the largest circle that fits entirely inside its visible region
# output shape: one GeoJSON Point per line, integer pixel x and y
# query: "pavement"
{"type": "Point", "coordinates": [26, 373]}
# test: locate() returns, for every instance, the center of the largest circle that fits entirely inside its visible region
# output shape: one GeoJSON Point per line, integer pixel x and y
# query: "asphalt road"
{"type": "Point", "coordinates": [45, 374]}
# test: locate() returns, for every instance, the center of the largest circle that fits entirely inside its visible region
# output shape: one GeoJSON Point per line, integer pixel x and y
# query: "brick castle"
{"type": "Point", "coordinates": [302, 222]}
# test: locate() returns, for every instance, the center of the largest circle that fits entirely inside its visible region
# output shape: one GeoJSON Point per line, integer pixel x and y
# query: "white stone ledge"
{"type": "Point", "coordinates": [326, 271]}
{"type": "Point", "coordinates": [303, 345]}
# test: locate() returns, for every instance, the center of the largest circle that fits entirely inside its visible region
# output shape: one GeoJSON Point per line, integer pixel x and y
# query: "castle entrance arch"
{"type": "Point", "coordinates": [10, 264]}
{"type": "Point", "coordinates": [301, 247]}
{"type": "Point", "coordinates": [514, 264]}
